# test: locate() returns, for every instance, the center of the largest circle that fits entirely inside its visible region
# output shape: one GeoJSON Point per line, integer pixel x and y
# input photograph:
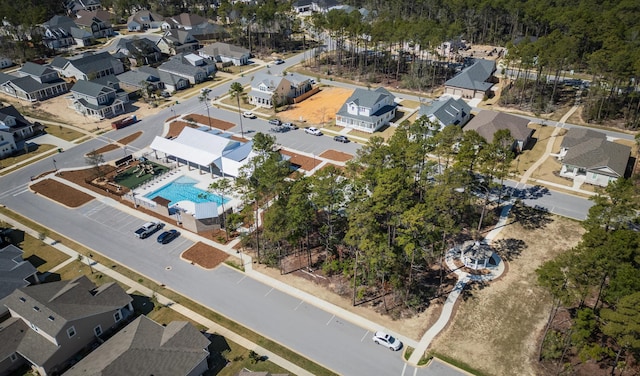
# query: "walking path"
{"type": "Point", "coordinates": [463, 278]}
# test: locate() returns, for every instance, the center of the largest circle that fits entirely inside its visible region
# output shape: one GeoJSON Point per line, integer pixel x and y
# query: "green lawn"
{"type": "Point", "coordinates": [33, 151]}
{"type": "Point", "coordinates": [131, 177]}
{"type": "Point", "coordinates": [76, 269]}
{"type": "Point", "coordinates": [41, 255]}
{"type": "Point", "coordinates": [65, 133]}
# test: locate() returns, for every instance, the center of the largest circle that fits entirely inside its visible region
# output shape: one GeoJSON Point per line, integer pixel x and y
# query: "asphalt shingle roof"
{"type": "Point", "coordinates": [368, 98]}
{"type": "Point", "coordinates": [145, 348]}
{"type": "Point", "coordinates": [89, 88]}
{"type": "Point", "coordinates": [93, 62]}
{"type": "Point", "coordinates": [475, 76]}
{"type": "Point", "coordinates": [14, 270]}
{"type": "Point", "coordinates": [33, 69]}
{"type": "Point", "coordinates": [487, 123]}
{"type": "Point", "coordinates": [446, 111]}
{"type": "Point", "coordinates": [594, 152]}
{"type": "Point", "coordinates": [224, 49]}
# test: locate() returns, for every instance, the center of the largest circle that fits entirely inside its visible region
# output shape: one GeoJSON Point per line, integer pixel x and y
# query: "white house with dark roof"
{"type": "Point", "coordinates": [145, 347]}
{"type": "Point", "coordinates": [5, 62]}
{"type": "Point", "coordinates": [62, 31]}
{"type": "Point", "coordinates": [473, 81]}
{"type": "Point", "coordinates": [446, 111]}
{"type": "Point", "coordinates": [170, 82]}
{"type": "Point", "coordinates": [193, 67]}
{"type": "Point", "coordinates": [487, 123]}
{"type": "Point", "coordinates": [586, 154]}
{"type": "Point", "coordinates": [267, 89]}
{"type": "Point", "coordinates": [367, 110]}
{"type": "Point", "coordinates": [34, 83]}
{"type": "Point", "coordinates": [97, 100]}
{"type": "Point", "coordinates": [15, 272]}
{"type": "Point", "coordinates": [89, 66]}
{"type": "Point", "coordinates": [225, 53]}
{"type": "Point", "coordinates": [52, 322]}
{"type": "Point", "coordinates": [14, 129]}
{"type": "Point", "coordinates": [186, 21]}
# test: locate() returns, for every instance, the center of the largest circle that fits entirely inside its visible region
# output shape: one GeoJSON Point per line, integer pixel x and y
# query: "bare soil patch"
{"type": "Point", "coordinates": [176, 127]}
{"type": "Point", "coordinates": [107, 148]}
{"type": "Point", "coordinates": [319, 108]}
{"type": "Point", "coordinates": [496, 328]}
{"type": "Point", "coordinates": [335, 155]}
{"type": "Point", "coordinates": [204, 255]}
{"type": "Point", "coordinates": [61, 193]}
{"type": "Point", "coordinates": [305, 163]}
{"type": "Point", "coordinates": [215, 123]}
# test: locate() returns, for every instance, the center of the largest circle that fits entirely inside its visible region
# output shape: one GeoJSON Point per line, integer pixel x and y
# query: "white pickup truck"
{"type": "Point", "coordinates": [148, 229]}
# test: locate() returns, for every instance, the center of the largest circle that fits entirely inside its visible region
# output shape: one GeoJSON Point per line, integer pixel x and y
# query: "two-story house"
{"type": "Point", "coordinates": [138, 51]}
{"type": "Point", "coordinates": [475, 81]}
{"type": "Point", "coordinates": [146, 347]}
{"type": "Point", "coordinates": [186, 21]}
{"type": "Point", "coordinates": [89, 66]}
{"type": "Point", "coordinates": [175, 41]}
{"type": "Point", "coordinates": [97, 100]}
{"type": "Point", "coordinates": [367, 110]}
{"type": "Point", "coordinates": [143, 20]}
{"type": "Point", "coordinates": [35, 83]}
{"type": "Point", "coordinates": [62, 31]}
{"type": "Point", "coordinates": [96, 22]}
{"type": "Point", "coordinates": [225, 53]}
{"type": "Point", "coordinates": [14, 130]}
{"type": "Point", "coordinates": [51, 322]}
{"type": "Point", "coordinates": [192, 67]}
{"type": "Point", "coordinates": [267, 89]}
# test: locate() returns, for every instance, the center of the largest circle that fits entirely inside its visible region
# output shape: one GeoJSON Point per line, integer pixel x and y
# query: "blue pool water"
{"type": "Point", "coordinates": [182, 189]}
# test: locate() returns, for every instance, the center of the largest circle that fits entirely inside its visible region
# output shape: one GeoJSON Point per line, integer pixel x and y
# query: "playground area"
{"type": "Point", "coordinates": [318, 109]}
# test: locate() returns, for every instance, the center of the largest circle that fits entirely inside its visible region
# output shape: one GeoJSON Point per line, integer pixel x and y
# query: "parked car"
{"type": "Point", "coordinates": [289, 126]}
{"type": "Point", "coordinates": [384, 339]}
{"type": "Point", "coordinates": [165, 94]}
{"type": "Point", "coordinates": [274, 122]}
{"type": "Point", "coordinates": [248, 114]}
{"type": "Point", "coordinates": [278, 61]}
{"type": "Point", "coordinates": [314, 131]}
{"type": "Point", "coordinates": [168, 236]}
{"type": "Point", "coordinates": [341, 138]}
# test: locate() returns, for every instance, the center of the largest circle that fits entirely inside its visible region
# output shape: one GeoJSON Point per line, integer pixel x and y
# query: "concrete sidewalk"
{"type": "Point", "coordinates": [135, 286]}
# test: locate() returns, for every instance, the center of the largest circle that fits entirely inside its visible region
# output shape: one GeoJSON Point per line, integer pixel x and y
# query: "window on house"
{"type": "Point", "coordinates": [97, 330]}
{"type": "Point", "coordinates": [117, 316]}
{"type": "Point", "coordinates": [51, 318]}
{"type": "Point", "coordinates": [36, 308]}
{"type": "Point", "coordinates": [71, 332]}
{"type": "Point", "coordinates": [22, 299]}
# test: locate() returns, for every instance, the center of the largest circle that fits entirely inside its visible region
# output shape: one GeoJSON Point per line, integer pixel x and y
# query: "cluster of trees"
{"type": "Point", "coordinates": [384, 221]}
{"type": "Point", "coordinates": [598, 284]}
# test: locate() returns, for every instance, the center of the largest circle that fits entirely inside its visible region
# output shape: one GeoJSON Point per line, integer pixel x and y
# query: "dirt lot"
{"type": "Point", "coordinates": [204, 255]}
{"type": "Point", "coordinates": [318, 109]}
{"type": "Point", "coordinates": [496, 328]}
{"type": "Point", "coordinates": [61, 193]}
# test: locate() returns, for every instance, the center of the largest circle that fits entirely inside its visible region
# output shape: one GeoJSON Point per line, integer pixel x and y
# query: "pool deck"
{"type": "Point", "coordinates": [204, 180]}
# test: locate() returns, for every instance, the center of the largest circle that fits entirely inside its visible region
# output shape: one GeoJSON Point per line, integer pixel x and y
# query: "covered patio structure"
{"type": "Point", "coordinates": [209, 151]}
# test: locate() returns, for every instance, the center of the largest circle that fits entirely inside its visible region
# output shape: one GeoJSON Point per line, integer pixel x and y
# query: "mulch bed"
{"type": "Point", "coordinates": [204, 255]}
{"type": "Point", "coordinates": [61, 193]}
{"type": "Point", "coordinates": [336, 156]}
{"type": "Point", "coordinates": [176, 127]}
{"type": "Point", "coordinates": [215, 123]}
{"type": "Point", "coordinates": [107, 148]}
{"type": "Point", "coordinates": [305, 163]}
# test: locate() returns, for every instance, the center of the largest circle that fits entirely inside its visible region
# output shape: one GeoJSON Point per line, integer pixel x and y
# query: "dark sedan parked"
{"type": "Point", "coordinates": [168, 236]}
{"type": "Point", "coordinates": [342, 139]}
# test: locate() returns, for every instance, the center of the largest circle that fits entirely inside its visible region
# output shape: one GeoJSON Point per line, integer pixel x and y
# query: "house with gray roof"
{"type": "Point", "coordinates": [143, 20]}
{"type": "Point", "coordinates": [139, 51]}
{"type": "Point", "coordinates": [169, 81]}
{"type": "Point", "coordinates": [34, 82]}
{"type": "Point", "coordinates": [474, 81]}
{"type": "Point", "coordinates": [74, 6]}
{"type": "Point", "coordinates": [98, 99]}
{"type": "Point", "coordinates": [446, 111]}
{"type": "Point", "coordinates": [367, 110]}
{"type": "Point", "coordinates": [89, 66]}
{"type": "Point", "coordinates": [52, 322]}
{"type": "Point", "coordinates": [96, 22]}
{"type": "Point", "coordinates": [15, 272]}
{"type": "Point", "coordinates": [186, 21]}
{"type": "Point", "coordinates": [193, 67]}
{"type": "Point", "coordinates": [176, 41]}
{"type": "Point", "coordinates": [14, 130]}
{"type": "Point", "coordinates": [267, 89]}
{"type": "Point", "coordinates": [62, 31]}
{"type": "Point", "coordinates": [225, 53]}
{"type": "Point", "coordinates": [587, 155]}
{"type": "Point", "coordinates": [144, 348]}
{"type": "Point", "coordinates": [487, 123]}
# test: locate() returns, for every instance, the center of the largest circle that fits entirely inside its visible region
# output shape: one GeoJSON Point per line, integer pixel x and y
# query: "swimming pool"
{"type": "Point", "coordinates": [183, 189]}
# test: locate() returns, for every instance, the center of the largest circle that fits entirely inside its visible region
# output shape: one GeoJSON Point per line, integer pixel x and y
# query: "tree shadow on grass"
{"type": "Point", "coordinates": [142, 305]}
{"type": "Point", "coordinates": [471, 288]}
{"type": "Point", "coordinates": [219, 348]}
{"type": "Point", "coordinates": [510, 248]}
